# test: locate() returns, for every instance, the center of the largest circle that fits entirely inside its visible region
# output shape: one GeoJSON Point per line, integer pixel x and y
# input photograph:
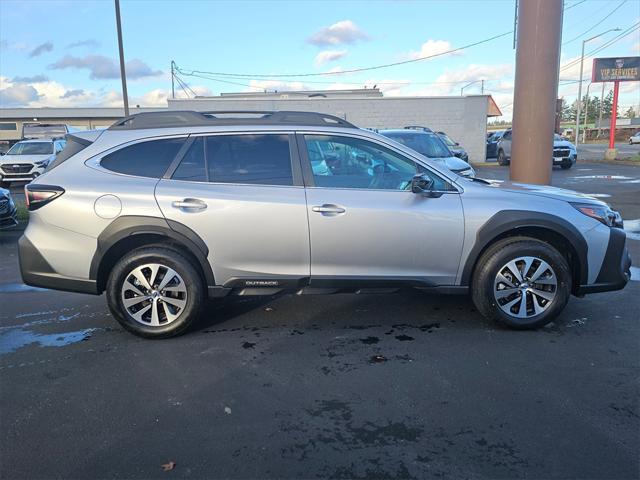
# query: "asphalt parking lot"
{"type": "Point", "coordinates": [345, 386]}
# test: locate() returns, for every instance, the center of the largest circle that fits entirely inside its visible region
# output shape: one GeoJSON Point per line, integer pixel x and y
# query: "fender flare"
{"type": "Point", "coordinates": [131, 225]}
{"type": "Point", "coordinates": [511, 221]}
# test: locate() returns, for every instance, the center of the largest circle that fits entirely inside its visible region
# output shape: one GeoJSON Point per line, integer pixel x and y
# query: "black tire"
{"type": "Point", "coordinates": [502, 159]}
{"type": "Point", "coordinates": [498, 255]}
{"type": "Point", "coordinates": [566, 166]}
{"type": "Point", "coordinates": [168, 257]}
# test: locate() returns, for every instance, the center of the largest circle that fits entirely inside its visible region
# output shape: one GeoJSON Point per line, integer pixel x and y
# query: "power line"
{"type": "Point", "coordinates": [342, 72]}
{"type": "Point", "coordinates": [594, 26]}
{"type": "Point", "coordinates": [574, 5]}
{"type": "Point", "coordinates": [626, 32]}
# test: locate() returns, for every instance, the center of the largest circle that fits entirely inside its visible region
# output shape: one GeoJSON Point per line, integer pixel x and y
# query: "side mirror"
{"type": "Point", "coordinates": [422, 184]}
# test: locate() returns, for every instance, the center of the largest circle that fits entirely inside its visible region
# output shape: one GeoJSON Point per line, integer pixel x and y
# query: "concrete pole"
{"type": "Point", "coordinates": [536, 89]}
{"type": "Point", "coordinates": [123, 73]}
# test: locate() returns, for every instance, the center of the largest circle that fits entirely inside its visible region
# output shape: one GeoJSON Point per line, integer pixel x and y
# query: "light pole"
{"type": "Point", "coordinates": [586, 116]}
{"type": "Point", "coordinates": [471, 83]}
{"type": "Point", "coordinates": [584, 42]}
{"type": "Point", "coordinates": [123, 74]}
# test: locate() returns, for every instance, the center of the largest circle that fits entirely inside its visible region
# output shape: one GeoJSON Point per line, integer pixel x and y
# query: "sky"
{"type": "Point", "coordinates": [64, 53]}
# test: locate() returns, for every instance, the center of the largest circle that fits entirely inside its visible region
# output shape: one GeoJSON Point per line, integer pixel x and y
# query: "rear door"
{"type": "Point", "coordinates": [243, 195]}
{"type": "Point", "coordinates": [365, 223]}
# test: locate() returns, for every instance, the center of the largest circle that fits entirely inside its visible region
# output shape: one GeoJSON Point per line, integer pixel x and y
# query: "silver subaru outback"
{"type": "Point", "coordinates": [164, 210]}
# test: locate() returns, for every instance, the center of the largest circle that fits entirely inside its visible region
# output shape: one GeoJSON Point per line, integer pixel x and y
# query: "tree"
{"type": "Point", "coordinates": [630, 113]}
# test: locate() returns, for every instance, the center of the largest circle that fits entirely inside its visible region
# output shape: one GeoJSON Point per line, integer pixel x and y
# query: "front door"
{"type": "Point", "coordinates": [240, 195]}
{"type": "Point", "coordinates": [366, 224]}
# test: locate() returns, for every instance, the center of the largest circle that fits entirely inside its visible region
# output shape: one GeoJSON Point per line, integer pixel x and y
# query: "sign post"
{"type": "Point", "coordinates": [616, 70]}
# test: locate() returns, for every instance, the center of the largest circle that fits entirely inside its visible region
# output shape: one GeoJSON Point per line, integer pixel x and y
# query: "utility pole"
{"type": "Point", "coordinates": [536, 88]}
{"type": "Point", "coordinates": [584, 42]}
{"type": "Point", "coordinates": [482, 87]}
{"type": "Point", "coordinates": [123, 74]}
{"type": "Point", "coordinates": [173, 87]}
{"type": "Point", "coordinates": [600, 114]}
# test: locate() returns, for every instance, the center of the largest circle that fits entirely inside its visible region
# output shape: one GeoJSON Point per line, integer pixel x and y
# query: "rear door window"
{"type": "Point", "coordinates": [144, 159]}
{"type": "Point", "coordinates": [262, 159]}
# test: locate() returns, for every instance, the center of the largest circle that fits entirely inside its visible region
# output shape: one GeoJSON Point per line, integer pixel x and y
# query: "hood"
{"type": "Point", "coordinates": [452, 163]}
{"type": "Point", "coordinates": [546, 191]}
{"type": "Point", "coordinates": [23, 158]}
{"type": "Point", "coordinates": [563, 143]}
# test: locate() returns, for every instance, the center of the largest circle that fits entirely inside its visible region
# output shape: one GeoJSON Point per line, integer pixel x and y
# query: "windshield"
{"type": "Point", "coordinates": [424, 143]}
{"type": "Point", "coordinates": [31, 148]}
{"type": "Point", "coordinates": [445, 138]}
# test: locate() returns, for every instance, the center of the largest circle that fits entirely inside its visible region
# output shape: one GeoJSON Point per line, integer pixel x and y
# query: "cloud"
{"type": "Point", "coordinates": [432, 47]}
{"type": "Point", "coordinates": [102, 67]}
{"type": "Point", "coordinates": [339, 33]}
{"type": "Point", "coordinates": [85, 43]}
{"type": "Point", "coordinates": [17, 95]}
{"type": "Point", "coordinates": [34, 79]}
{"type": "Point", "coordinates": [329, 56]}
{"type": "Point", "coordinates": [40, 49]}
{"type": "Point", "coordinates": [73, 93]}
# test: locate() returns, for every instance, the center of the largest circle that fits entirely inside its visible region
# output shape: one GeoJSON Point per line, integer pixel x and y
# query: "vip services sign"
{"type": "Point", "coordinates": [616, 69]}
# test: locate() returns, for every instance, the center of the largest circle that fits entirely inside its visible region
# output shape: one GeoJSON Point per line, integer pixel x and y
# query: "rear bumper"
{"type": "Point", "coordinates": [615, 271]}
{"type": "Point", "coordinates": [37, 272]}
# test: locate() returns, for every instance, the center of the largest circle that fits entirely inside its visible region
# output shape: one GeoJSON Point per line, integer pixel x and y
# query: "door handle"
{"type": "Point", "coordinates": [328, 209]}
{"type": "Point", "coordinates": [189, 204]}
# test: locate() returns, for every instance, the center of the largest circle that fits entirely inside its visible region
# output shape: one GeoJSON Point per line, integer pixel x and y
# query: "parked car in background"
{"type": "Point", "coordinates": [185, 206]}
{"type": "Point", "coordinates": [431, 146]}
{"type": "Point", "coordinates": [492, 143]}
{"type": "Point", "coordinates": [8, 209]}
{"type": "Point", "coordinates": [28, 159]}
{"type": "Point", "coordinates": [455, 147]}
{"type": "Point", "coordinates": [634, 138]}
{"type": "Point", "coordinates": [564, 152]}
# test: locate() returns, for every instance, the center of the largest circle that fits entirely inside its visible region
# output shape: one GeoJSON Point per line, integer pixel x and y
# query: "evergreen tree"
{"type": "Point", "coordinates": [630, 113]}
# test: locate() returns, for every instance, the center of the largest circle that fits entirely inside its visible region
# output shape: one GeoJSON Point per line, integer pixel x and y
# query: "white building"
{"type": "Point", "coordinates": [463, 118]}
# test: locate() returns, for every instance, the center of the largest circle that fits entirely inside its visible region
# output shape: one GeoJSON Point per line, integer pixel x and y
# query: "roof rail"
{"type": "Point", "coordinates": [418, 127]}
{"type": "Point", "coordinates": [188, 118]}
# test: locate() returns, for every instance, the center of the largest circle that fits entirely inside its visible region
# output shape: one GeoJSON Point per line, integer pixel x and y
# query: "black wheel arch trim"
{"type": "Point", "coordinates": [131, 225]}
{"type": "Point", "coordinates": [506, 221]}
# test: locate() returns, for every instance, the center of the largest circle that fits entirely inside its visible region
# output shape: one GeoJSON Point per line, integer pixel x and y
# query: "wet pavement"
{"type": "Point", "coordinates": [369, 386]}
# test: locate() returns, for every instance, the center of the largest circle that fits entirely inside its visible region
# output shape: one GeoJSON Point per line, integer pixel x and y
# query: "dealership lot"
{"type": "Point", "coordinates": [368, 386]}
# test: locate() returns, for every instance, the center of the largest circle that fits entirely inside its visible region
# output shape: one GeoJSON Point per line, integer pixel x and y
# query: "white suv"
{"type": "Point", "coordinates": [28, 159]}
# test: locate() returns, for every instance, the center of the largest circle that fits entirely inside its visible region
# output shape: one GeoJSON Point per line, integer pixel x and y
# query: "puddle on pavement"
{"type": "Point", "coordinates": [20, 337]}
{"type": "Point", "coordinates": [18, 288]}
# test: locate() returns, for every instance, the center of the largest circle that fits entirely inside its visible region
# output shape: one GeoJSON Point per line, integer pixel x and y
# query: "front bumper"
{"type": "Point", "coordinates": [615, 271]}
{"type": "Point", "coordinates": [8, 218]}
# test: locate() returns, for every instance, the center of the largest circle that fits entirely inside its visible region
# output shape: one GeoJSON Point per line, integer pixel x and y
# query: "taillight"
{"type": "Point", "coordinates": [38, 195]}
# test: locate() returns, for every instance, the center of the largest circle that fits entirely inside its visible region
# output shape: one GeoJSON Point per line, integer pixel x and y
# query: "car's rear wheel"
{"type": "Point", "coordinates": [502, 159]}
{"type": "Point", "coordinates": [521, 282]}
{"type": "Point", "coordinates": [155, 292]}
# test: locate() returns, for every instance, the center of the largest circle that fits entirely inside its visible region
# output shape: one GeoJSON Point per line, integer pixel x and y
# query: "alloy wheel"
{"type": "Point", "coordinates": [525, 287]}
{"type": "Point", "coordinates": [154, 294]}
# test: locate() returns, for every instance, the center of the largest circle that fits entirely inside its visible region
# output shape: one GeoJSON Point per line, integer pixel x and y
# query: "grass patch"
{"type": "Point", "coordinates": [22, 214]}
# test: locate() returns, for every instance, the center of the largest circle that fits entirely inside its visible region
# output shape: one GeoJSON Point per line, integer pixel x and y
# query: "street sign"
{"type": "Point", "coordinates": [616, 69]}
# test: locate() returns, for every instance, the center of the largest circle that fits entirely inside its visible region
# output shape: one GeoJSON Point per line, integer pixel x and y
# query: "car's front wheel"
{"type": "Point", "coordinates": [155, 292]}
{"type": "Point", "coordinates": [502, 159]}
{"type": "Point", "coordinates": [566, 166]}
{"type": "Point", "coordinates": [521, 282]}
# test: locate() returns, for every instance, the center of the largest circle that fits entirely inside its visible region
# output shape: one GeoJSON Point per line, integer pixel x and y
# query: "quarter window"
{"type": "Point", "coordinates": [144, 159]}
{"type": "Point", "coordinates": [344, 162]}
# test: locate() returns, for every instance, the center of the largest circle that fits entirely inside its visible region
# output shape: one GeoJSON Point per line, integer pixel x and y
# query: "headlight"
{"type": "Point", "coordinates": [601, 213]}
{"type": "Point", "coordinates": [42, 163]}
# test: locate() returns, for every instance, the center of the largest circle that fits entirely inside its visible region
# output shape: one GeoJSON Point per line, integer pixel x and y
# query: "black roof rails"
{"type": "Point", "coordinates": [188, 118]}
